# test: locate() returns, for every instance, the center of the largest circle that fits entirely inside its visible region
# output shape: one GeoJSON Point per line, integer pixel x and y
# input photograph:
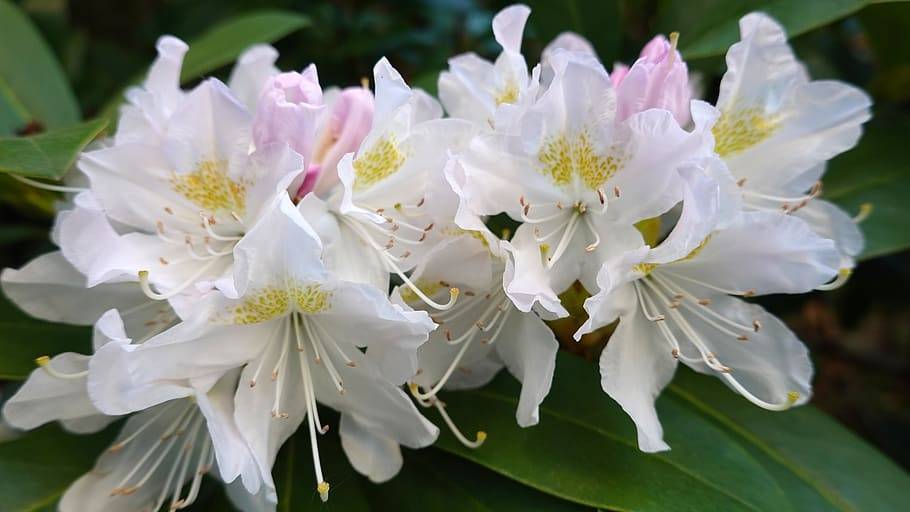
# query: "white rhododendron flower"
{"type": "Point", "coordinates": [683, 310]}
{"type": "Point", "coordinates": [252, 252]}
{"type": "Point", "coordinates": [777, 130]}
{"type": "Point", "coordinates": [578, 181]}
{"type": "Point", "coordinates": [295, 331]}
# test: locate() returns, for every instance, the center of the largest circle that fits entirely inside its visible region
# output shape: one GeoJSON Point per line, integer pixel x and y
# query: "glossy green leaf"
{"type": "Point", "coordinates": [23, 338]}
{"type": "Point", "coordinates": [48, 155]}
{"type": "Point", "coordinates": [433, 481]}
{"type": "Point", "coordinates": [225, 41]}
{"type": "Point", "coordinates": [33, 86]}
{"type": "Point", "coordinates": [585, 449]}
{"type": "Point", "coordinates": [726, 454]}
{"type": "Point", "coordinates": [819, 464]}
{"type": "Point", "coordinates": [711, 28]}
{"type": "Point", "coordinates": [876, 173]}
{"type": "Point", "coordinates": [597, 20]}
{"type": "Point", "coordinates": [37, 468]}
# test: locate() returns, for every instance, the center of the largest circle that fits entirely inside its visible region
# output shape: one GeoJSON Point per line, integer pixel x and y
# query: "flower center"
{"type": "Point", "coordinates": [209, 187]}
{"type": "Point", "coordinates": [565, 157]}
{"type": "Point", "coordinates": [273, 301]}
{"type": "Point", "coordinates": [740, 129]}
{"type": "Point", "coordinates": [382, 160]}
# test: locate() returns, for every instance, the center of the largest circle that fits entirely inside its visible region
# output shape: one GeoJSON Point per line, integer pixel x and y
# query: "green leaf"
{"type": "Point", "coordinates": [224, 42]}
{"type": "Point", "coordinates": [596, 20]}
{"type": "Point", "coordinates": [48, 155]}
{"type": "Point", "coordinates": [33, 86]}
{"type": "Point", "coordinates": [726, 454]}
{"type": "Point", "coordinates": [820, 464]}
{"type": "Point", "coordinates": [711, 28]}
{"type": "Point", "coordinates": [585, 449]}
{"type": "Point", "coordinates": [22, 339]}
{"type": "Point", "coordinates": [876, 172]}
{"type": "Point", "coordinates": [36, 469]}
{"type": "Point", "coordinates": [429, 475]}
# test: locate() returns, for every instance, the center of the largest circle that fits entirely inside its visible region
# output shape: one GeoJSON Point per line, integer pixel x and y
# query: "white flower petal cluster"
{"type": "Point", "coordinates": [254, 252]}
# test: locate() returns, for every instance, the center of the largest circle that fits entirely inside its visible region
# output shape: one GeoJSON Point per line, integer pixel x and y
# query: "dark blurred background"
{"type": "Point", "coordinates": [859, 335]}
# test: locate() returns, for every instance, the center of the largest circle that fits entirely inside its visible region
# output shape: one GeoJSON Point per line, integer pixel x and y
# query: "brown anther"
{"type": "Point", "coordinates": [601, 196]}
{"type": "Point", "coordinates": [448, 335]}
{"type": "Point", "coordinates": [521, 200]}
{"type": "Point", "coordinates": [675, 353]}
{"type": "Point", "coordinates": [616, 191]}
{"type": "Point", "coordinates": [390, 244]}
{"type": "Point", "coordinates": [406, 254]}
{"type": "Point", "coordinates": [659, 318]}
{"type": "Point", "coordinates": [445, 284]}
{"type": "Point", "coordinates": [351, 364]}
{"type": "Point", "coordinates": [429, 226]}
{"type": "Point", "coordinates": [380, 210]}
{"type": "Point", "coordinates": [423, 236]}
{"type": "Point", "coordinates": [252, 383]}
{"type": "Point", "coordinates": [469, 293]}
{"type": "Point", "coordinates": [159, 226]}
{"type": "Point", "coordinates": [740, 182]}
{"type": "Point", "coordinates": [485, 341]}
{"type": "Point", "coordinates": [679, 296]}
{"type": "Point", "coordinates": [526, 209]}
{"type": "Point", "coordinates": [420, 203]}
{"type": "Point", "coordinates": [163, 260]}
{"type": "Point", "coordinates": [479, 324]}
{"type": "Point", "coordinates": [742, 337]}
{"type": "Point", "coordinates": [168, 210]}
{"type": "Point", "coordinates": [749, 293]}
{"type": "Point", "coordinates": [756, 325]}
{"type": "Point", "coordinates": [704, 302]}
{"type": "Point", "coordinates": [674, 304]}
{"type": "Point", "coordinates": [274, 374]}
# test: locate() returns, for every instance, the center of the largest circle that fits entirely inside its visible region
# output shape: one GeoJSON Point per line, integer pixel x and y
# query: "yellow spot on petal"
{"type": "Point", "coordinates": [564, 157]}
{"type": "Point", "coordinates": [644, 268]}
{"type": "Point", "coordinates": [210, 188]}
{"type": "Point", "coordinates": [650, 230]}
{"type": "Point", "coordinates": [508, 94]}
{"type": "Point", "coordinates": [379, 162]}
{"type": "Point", "coordinates": [740, 129]}
{"type": "Point", "coordinates": [274, 301]}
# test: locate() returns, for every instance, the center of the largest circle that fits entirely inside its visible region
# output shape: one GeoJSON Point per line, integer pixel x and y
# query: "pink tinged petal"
{"type": "Point", "coordinates": [620, 71]}
{"type": "Point", "coordinates": [349, 122]}
{"type": "Point", "coordinates": [289, 107]}
{"type": "Point", "coordinates": [658, 79]}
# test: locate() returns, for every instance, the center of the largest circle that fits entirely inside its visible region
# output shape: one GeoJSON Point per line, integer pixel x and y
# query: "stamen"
{"type": "Point", "coordinates": [46, 186]}
{"type": "Point", "coordinates": [843, 275]}
{"type": "Point", "coordinates": [593, 246]}
{"type": "Point", "coordinates": [208, 222]}
{"type": "Point", "coordinates": [865, 210]}
{"type": "Point", "coordinates": [144, 283]}
{"type": "Point", "coordinates": [567, 236]}
{"type": "Point", "coordinates": [480, 437]}
{"type": "Point", "coordinates": [45, 363]}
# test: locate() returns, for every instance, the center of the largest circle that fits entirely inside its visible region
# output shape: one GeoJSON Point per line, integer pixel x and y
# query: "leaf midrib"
{"type": "Point", "coordinates": [618, 439]}
{"type": "Point", "coordinates": [830, 495]}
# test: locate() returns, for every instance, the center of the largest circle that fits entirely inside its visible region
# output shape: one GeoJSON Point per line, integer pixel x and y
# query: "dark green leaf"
{"type": "Point", "coordinates": [712, 27]}
{"type": "Point", "coordinates": [48, 155]}
{"type": "Point", "coordinates": [221, 44]}
{"type": "Point", "coordinates": [32, 84]}
{"type": "Point", "coordinates": [726, 454]}
{"type": "Point", "coordinates": [22, 339]}
{"type": "Point", "coordinates": [597, 20]}
{"type": "Point", "coordinates": [876, 173]}
{"type": "Point", "coordinates": [434, 481]}
{"type": "Point", "coordinates": [819, 463]}
{"type": "Point", "coordinates": [585, 449]}
{"type": "Point", "coordinates": [37, 468]}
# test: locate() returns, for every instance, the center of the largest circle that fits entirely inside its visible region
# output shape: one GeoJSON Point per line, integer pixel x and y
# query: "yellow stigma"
{"type": "Point", "coordinates": [792, 397]}
{"type": "Point", "coordinates": [564, 158]}
{"type": "Point", "coordinates": [481, 436]}
{"type": "Point", "coordinates": [275, 301]}
{"type": "Point", "coordinates": [741, 129]}
{"type": "Point", "coordinates": [379, 162]}
{"type": "Point", "coordinates": [865, 210]}
{"type": "Point", "coordinates": [508, 94]}
{"type": "Point", "coordinates": [43, 361]}
{"type": "Point", "coordinates": [209, 187]}
{"type": "Point", "coordinates": [323, 489]}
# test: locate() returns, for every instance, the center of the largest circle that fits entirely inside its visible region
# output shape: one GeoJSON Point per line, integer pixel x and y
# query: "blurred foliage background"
{"type": "Point", "coordinates": [859, 335]}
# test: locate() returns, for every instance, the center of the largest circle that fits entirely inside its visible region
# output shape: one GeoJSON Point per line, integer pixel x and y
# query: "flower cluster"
{"type": "Point", "coordinates": [248, 252]}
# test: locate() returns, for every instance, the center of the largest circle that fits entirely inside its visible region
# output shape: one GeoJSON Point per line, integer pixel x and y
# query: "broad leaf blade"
{"type": "Point", "coordinates": [36, 469]}
{"type": "Point", "coordinates": [48, 155]}
{"type": "Point", "coordinates": [809, 448]}
{"type": "Point", "coordinates": [711, 28]}
{"type": "Point", "coordinates": [33, 87]}
{"type": "Point", "coordinates": [876, 173]}
{"type": "Point", "coordinates": [585, 449]}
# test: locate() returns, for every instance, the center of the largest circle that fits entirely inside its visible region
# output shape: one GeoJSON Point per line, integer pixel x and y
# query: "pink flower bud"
{"type": "Point", "coordinates": [289, 107]}
{"type": "Point", "coordinates": [658, 79]}
{"type": "Point", "coordinates": [346, 124]}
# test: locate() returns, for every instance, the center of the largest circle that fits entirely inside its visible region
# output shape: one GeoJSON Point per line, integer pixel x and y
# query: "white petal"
{"type": "Point", "coordinates": [525, 279]}
{"type": "Point", "coordinates": [765, 252]}
{"type": "Point", "coordinates": [49, 288]}
{"type": "Point", "coordinates": [371, 453]}
{"type": "Point", "coordinates": [528, 348]}
{"type": "Point", "coordinates": [614, 297]}
{"type": "Point", "coordinates": [254, 66]}
{"type": "Point", "coordinates": [634, 367]}
{"type": "Point", "coordinates": [45, 398]}
{"type": "Point", "coordinates": [391, 91]}
{"type": "Point", "coordinates": [829, 221]}
{"type": "Point", "coordinates": [217, 406]}
{"type": "Point", "coordinates": [509, 25]}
